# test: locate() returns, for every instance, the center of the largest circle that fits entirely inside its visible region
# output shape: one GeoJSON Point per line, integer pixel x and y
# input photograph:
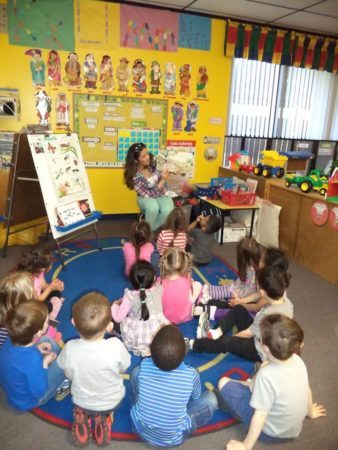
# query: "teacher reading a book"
{"type": "Point", "coordinates": [150, 185]}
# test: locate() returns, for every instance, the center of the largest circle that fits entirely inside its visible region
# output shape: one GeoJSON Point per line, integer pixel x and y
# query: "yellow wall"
{"type": "Point", "coordinates": [110, 194]}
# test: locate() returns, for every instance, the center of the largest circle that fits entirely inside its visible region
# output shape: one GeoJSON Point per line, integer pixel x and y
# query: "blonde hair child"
{"type": "Point", "coordinates": [180, 292]}
{"type": "Point", "coordinates": [15, 288]}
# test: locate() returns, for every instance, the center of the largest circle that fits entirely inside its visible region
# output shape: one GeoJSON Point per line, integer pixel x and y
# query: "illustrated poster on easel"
{"type": "Point", "coordinates": [63, 179]}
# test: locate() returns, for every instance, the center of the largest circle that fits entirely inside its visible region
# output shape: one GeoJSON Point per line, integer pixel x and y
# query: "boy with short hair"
{"type": "Point", "coordinates": [281, 397]}
{"type": "Point", "coordinates": [202, 232]}
{"type": "Point", "coordinates": [167, 404]}
{"type": "Point", "coordinates": [29, 374]}
{"type": "Point", "coordinates": [95, 367]}
{"type": "Point", "coordinates": [246, 342]}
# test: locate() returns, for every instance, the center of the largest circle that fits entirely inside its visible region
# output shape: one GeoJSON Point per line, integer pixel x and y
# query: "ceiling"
{"type": "Point", "coordinates": [316, 16]}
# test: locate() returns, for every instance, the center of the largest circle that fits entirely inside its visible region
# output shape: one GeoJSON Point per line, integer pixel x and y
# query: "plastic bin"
{"type": "Point", "coordinates": [239, 198]}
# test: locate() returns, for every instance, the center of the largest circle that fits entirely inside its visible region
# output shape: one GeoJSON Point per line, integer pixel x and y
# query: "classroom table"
{"type": "Point", "coordinates": [223, 208]}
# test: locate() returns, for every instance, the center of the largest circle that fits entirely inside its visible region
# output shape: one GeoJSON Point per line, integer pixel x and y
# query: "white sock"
{"type": "Point", "coordinates": [198, 310]}
{"type": "Point", "coordinates": [191, 343]}
{"type": "Point", "coordinates": [212, 313]}
{"type": "Point", "coordinates": [217, 333]}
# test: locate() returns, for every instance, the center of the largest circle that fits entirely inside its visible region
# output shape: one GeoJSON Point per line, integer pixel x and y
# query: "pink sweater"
{"type": "Point", "coordinates": [176, 301]}
{"type": "Point", "coordinates": [130, 255]}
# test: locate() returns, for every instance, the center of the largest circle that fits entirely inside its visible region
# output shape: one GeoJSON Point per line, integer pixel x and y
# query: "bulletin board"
{"type": "Point", "coordinates": [107, 125]}
{"type": "Point", "coordinates": [63, 180]}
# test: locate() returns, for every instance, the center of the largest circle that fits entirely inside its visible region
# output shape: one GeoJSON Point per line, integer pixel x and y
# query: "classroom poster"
{"type": "Point", "coordinates": [52, 22]}
{"type": "Point", "coordinates": [178, 158]}
{"type": "Point", "coordinates": [63, 179]}
{"type": "Point", "coordinates": [96, 24]}
{"type": "Point", "coordinates": [194, 32]}
{"type": "Point", "coordinates": [148, 29]}
{"type": "Point", "coordinates": [108, 125]}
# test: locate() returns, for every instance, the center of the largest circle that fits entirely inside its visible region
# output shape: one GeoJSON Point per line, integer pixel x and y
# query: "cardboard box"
{"type": "Point", "coordinates": [233, 233]}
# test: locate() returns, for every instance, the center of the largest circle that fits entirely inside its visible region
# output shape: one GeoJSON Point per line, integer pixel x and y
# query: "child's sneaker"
{"type": "Point", "coordinates": [204, 296]}
{"type": "Point", "coordinates": [82, 427]}
{"type": "Point", "coordinates": [63, 390]}
{"type": "Point", "coordinates": [203, 326]}
{"type": "Point", "coordinates": [102, 429]}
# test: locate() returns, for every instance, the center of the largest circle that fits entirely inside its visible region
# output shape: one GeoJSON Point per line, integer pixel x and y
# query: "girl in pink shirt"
{"type": "Point", "coordinates": [179, 290]}
{"type": "Point", "coordinates": [38, 262]}
{"type": "Point", "coordinates": [174, 232]}
{"type": "Point", "coordinates": [139, 247]}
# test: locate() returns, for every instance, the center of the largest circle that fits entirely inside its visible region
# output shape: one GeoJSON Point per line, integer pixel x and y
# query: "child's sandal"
{"type": "Point", "coordinates": [81, 429]}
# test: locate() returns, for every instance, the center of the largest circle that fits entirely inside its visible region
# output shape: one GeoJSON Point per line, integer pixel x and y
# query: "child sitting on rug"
{"type": "Point", "coordinates": [29, 374]}
{"type": "Point", "coordinates": [140, 246]}
{"type": "Point", "coordinates": [253, 302]}
{"type": "Point", "coordinates": [201, 232]}
{"type": "Point", "coordinates": [139, 312]}
{"type": "Point", "coordinates": [167, 404]}
{"type": "Point", "coordinates": [15, 288]}
{"type": "Point", "coordinates": [248, 258]}
{"type": "Point", "coordinates": [270, 257]}
{"type": "Point", "coordinates": [38, 262]}
{"type": "Point", "coordinates": [281, 397]}
{"type": "Point", "coordinates": [246, 342]}
{"type": "Point", "coordinates": [174, 232]}
{"type": "Point", "coordinates": [179, 290]}
{"type": "Point", "coordinates": [95, 367]}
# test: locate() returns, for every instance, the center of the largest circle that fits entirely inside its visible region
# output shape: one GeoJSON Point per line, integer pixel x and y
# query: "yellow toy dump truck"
{"type": "Point", "coordinates": [271, 163]}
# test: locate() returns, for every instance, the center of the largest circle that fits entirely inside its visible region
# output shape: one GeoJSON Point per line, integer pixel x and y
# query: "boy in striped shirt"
{"type": "Point", "coordinates": [167, 404]}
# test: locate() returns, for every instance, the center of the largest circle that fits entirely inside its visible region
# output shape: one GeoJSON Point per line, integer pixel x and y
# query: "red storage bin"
{"type": "Point", "coordinates": [237, 199]}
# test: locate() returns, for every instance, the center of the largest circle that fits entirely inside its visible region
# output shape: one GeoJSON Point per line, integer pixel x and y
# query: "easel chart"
{"type": "Point", "coordinates": [106, 124]}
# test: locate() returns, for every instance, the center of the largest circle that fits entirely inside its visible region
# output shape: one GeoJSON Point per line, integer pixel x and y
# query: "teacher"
{"type": "Point", "coordinates": [150, 185]}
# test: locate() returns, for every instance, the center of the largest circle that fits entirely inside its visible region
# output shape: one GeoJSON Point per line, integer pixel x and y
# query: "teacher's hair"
{"type": "Point", "coordinates": [130, 167]}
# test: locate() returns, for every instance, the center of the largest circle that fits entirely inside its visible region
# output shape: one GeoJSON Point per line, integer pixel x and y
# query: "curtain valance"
{"type": "Point", "coordinates": [277, 46]}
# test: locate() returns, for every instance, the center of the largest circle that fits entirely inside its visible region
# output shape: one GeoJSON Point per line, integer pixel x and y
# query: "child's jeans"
{"type": "Point", "coordinates": [200, 410]}
{"type": "Point", "coordinates": [55, 373]}
{"type": "Point", "coordinates": [237, 396]}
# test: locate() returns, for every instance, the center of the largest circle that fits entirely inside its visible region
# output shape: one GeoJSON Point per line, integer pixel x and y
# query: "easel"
{"type": "Point", "coordinates": [25, 200]}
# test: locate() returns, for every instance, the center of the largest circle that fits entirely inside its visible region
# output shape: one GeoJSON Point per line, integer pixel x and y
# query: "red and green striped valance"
{"type": "Point", "coordinates": [284, 47]}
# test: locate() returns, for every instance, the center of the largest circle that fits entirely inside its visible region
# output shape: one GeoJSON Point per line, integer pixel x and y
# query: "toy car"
{"type": "Point", "coordinates": [249, 168]}
{"type": "Point", "coordinates": [270, 163]}
{"type": "Point", "coordinates": [315, 180]}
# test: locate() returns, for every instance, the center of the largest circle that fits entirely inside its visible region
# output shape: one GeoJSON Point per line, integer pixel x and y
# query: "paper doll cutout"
{"type": "Point", "coordinates": [170, 79]}
{"type": "Point", "coordinates": [54, 68]}
{"type": "Point", "coordinates": [37, 67]}
{"type": "Point", "coordinates": [202, 80]}
{"type": "Point", "coordinates": [123, 75]}
{"type": "Point", "coordinates": [43, 106]}
{"type": "Point", "coordinates": [107, 74]}
{"type": "Point", "coordinates": [62, 110]}
{"type": "Point", "coordinates": [73, 71]}
{"type": "Point", "coordinates": [185, 80]}
{"type": "Point", "coordinates": [139, 76]}
{"type": "Point", "coordinates": [192, 114]}
{"type": "Point", "coordinates": [90, 72]}
{"type": "Point", "coordinates": [177, 115]}
{"type": "Point", "coordinates": [155, 78]}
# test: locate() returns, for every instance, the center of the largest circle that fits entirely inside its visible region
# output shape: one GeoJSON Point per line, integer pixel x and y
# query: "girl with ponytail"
{"type": "Point", "coordinates": [139, 312]}
{"type": "Point", "coordinates": [140, 246]}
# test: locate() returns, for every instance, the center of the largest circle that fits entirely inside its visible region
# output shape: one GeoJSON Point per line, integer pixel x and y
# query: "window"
{"type": "Point", "coordinates": [269, 100]}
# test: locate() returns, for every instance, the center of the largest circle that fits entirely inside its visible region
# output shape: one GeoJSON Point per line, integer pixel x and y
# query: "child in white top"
{"type": "Point", "coordinates": [140, 246]}
{"type": "Point", "coordinates": [139, 312]}
{"type": "Point", "coordinates": [38, 262]}
{"type": "Point", "coordinates": [273, 406]}
{"type": "Point", "coordinates": [180, 292]}
{"type": "Point", "coordinates": [95, 366]}
{"type": "Point", "coordinates": [174, 232]}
